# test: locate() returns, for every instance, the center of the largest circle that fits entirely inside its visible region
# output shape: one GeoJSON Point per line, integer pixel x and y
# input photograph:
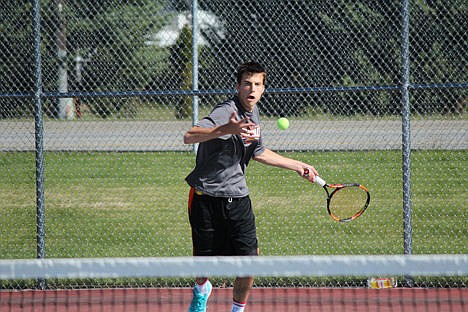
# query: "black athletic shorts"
{"type": "Point", "coordinates": [222, 226]}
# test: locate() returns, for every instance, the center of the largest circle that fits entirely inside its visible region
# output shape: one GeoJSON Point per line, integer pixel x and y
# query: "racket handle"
{"type": "Point", "coordinates": [320, 181]}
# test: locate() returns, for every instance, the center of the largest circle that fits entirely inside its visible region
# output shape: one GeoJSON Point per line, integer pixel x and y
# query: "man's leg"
{"type": "Point", "coordinates": [201, 292]}
{"type": "Point", "coordinates": [241, 291]}
{"type": "Point", "coordinates": [201, 243]}
{"type": "Point", "coordinates": [245, 244]}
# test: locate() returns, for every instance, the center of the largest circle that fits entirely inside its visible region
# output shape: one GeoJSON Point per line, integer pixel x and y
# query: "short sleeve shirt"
{"type": "Point", "coordinates": [221, 162]}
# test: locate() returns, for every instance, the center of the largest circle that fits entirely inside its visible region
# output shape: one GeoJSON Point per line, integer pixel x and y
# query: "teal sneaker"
{"type": "Point", "coordinates": [199, 301]}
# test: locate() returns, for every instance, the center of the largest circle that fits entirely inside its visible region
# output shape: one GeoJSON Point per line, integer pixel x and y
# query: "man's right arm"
{"type": "Point", "coordinates": [198, 134]}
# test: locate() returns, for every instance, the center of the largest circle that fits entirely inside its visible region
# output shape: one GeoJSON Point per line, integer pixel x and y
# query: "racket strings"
{"type": "Point", "coordinates": [346, 202]}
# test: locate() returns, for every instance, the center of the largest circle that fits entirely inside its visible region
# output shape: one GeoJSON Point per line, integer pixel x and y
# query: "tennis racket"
{"type": "Point", "coordinates": [345, 202]}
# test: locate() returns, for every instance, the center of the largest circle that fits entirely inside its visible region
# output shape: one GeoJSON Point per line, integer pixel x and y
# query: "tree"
{"type": "Point", "coordinates": [181, 60]}
{"type": "Point", "coordinates": [338, 44]}
{"type": "Point", "coordinates": [438, 53]}
{"type": "Point", "coordinates": [109, 38]}
{"type": "Point", "coordinates": [16, 57]}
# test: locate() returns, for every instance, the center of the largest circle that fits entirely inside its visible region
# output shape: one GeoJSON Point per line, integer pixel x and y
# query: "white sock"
{"type": "Point", "coordinates": [238, 306]}
{"type": "Point", "coordinates": [202, 289]}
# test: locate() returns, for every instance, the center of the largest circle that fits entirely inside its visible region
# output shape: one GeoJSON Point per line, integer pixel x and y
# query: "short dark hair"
{"type": "Point", "coordinates": [252, 68]}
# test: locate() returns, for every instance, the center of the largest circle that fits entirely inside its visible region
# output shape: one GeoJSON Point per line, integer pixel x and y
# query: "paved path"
{"type": "Point", "coordinates": [301, 135]}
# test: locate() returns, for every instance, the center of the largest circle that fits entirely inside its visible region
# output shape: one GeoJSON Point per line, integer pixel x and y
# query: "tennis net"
{"type": "Point", "coordinates": [292, 283]}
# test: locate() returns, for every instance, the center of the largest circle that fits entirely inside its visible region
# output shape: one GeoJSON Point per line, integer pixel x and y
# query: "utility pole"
{"type": "Point", "coordinates": [65, 106]}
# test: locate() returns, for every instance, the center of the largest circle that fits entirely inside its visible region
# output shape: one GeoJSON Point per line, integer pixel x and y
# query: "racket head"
{"type": "Point", "coordinates": [348, 201]}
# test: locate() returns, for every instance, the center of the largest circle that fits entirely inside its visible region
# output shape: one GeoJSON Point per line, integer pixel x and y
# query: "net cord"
{"type": "Point", "coordinates": [274, 266]}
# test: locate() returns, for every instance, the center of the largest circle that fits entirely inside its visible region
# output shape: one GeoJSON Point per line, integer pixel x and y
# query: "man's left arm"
{"type": "Point", "coordinates": [268, 157]}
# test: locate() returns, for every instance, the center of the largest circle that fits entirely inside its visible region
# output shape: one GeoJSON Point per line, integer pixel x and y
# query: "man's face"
{"type": "Point", "coordinates": [250, 89]}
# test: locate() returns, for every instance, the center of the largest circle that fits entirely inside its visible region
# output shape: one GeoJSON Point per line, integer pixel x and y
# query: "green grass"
{"type": "Point", "coordinates": [134, 204]}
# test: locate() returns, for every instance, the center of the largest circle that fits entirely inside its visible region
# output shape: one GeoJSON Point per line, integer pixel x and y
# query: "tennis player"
{"type": "Point", "coordinates": [220, 210]}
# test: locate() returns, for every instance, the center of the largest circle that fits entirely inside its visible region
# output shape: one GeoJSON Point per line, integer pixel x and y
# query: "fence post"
{"type": "Point", "coordinates": [406, 139]}
{"type": "Point", "coordinates": [39, 137]}
{"type": "Point", "coordinates": [194, 65]}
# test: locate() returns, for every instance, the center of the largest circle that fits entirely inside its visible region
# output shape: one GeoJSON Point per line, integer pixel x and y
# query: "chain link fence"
{"type": "Point", "coordinates": [121, 83]}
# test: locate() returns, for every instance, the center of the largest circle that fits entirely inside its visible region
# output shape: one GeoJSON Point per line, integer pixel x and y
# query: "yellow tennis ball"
{"type": "Point", "coordinates": [282, 123]}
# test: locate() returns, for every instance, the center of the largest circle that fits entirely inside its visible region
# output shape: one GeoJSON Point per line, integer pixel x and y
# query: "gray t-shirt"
{"type": "Point", "coordinates": [221, 162]}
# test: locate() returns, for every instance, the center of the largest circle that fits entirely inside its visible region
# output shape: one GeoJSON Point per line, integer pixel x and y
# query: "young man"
{"type": "Point", "coordinates": [220, 211]}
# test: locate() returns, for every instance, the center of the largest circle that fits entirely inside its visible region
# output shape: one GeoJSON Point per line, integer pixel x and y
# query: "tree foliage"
{"type": "Point", "coordinates": [341, 43]}
{"type": "Point", "coordinates": [302, 43]}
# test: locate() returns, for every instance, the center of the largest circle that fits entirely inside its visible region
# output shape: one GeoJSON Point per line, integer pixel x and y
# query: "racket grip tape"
{"type": "Point", "coordinates": [320, 181]}
{"type": "Point", "coordinates": [317, 179]}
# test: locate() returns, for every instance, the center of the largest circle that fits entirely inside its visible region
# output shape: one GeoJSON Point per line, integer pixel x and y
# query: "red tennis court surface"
{"type": "Point", "coordinates": [261, 299]}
